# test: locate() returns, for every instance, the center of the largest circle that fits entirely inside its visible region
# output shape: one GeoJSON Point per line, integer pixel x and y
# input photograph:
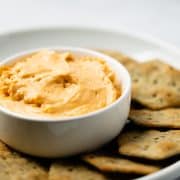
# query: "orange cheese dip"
{"type": "Point", "coordinates": [50, 83]}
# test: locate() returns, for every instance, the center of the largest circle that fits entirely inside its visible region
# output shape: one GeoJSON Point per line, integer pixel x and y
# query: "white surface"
{"type": "Point", "coordinates": [159, 18]}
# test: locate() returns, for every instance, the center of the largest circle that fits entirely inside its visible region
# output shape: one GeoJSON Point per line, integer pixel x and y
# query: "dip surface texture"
{"type": "Point", "coordinates": [50, 83]}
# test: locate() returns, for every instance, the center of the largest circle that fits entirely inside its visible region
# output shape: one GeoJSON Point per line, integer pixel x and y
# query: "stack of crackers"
{"type": "Point", "coordinates": [149, 142]}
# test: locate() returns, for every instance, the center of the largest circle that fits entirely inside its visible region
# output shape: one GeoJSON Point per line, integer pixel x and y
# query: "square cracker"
{"type": "Point", "coordinates": [156, 85]}
{"type": "Point", "coordinates": [127, 61]}
{"type": "Point", "coordinates": [72, 170]}
{"type": "Point", "coordinates": [13, 166]}
{"type": "Point", "coordinates": [166, 118]}
{"type": "Point", "coordinates": [108, 163]}
{"type": "Point", "coordinates": [150, 144]}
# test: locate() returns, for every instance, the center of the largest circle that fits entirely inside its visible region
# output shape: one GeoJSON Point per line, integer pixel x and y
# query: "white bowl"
{"type": "Point", "coordinates": [58, 137]}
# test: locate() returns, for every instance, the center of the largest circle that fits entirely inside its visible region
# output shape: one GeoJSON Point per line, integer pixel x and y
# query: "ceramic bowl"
{"type": "Point", "coordinates": [59, 137]}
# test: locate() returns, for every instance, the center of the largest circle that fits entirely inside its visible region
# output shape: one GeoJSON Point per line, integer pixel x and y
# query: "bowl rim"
{"type": "Point", "coordinates": [106, 58]}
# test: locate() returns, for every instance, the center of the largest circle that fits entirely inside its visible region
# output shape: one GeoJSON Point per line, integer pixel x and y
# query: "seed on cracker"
{"type": "Point", "coordinates": [117, 164]}
{"type": "Point", "coordinates": [166, 118]}
{"type": "Point", "coordinates": [150, 144]}
{"type": "Point", "coordinates": [70, 170]}
{"type": "Point", "coordinates": [156, 85]}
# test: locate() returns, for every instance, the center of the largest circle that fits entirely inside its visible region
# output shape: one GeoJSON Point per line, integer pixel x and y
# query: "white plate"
{"type": "Point", "coordinates": [132, 44]}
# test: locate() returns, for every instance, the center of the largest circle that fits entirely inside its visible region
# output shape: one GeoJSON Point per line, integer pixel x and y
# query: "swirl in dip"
{"type": "Point", "coordinates": [50, 84]}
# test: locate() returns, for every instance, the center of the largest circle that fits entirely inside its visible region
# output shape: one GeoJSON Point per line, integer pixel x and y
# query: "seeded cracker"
{"type": "Point", "coordinates": [15, 167]}
{"type": "Point", "coordinates": [156, 85]}
{"type": "Point", "coordinates": [150, 144]}
{"type": "Point", "coordinates": [70, 170]}
{"type": "Point", "coordinates": [166, 118]}
{"type": "Point", "coordinates": [120, 165]}
{"type": "Point", "coordinates": [127, 61]}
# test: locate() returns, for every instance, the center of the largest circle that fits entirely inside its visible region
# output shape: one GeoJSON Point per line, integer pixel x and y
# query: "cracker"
{"type": "Point", "coordinates": [117, 164]}
{"type": "Point", "coordinates": [127, 61]}
{"type": "Point", "coordinates": [156, 85]}
{"type": "Point", "coordinates": [13, 166]}
{"type": "Point", "coordinates": [150, 144]}
{"type": "Point", "coordinates": [4, 150]}
{"type": "Point", "coordinates": [70, 170]}
{"type": "Point", "coordinates": [166, 118]}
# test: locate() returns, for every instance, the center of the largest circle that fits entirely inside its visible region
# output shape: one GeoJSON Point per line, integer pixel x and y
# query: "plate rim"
{"type": "Point", "coordinates": [169, 170]}
{"type": "Point", "coordinates": [138, 35]}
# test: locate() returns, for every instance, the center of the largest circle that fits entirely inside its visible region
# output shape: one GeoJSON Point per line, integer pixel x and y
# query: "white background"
{"type": "Point", "coordinates": [159, 18]}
